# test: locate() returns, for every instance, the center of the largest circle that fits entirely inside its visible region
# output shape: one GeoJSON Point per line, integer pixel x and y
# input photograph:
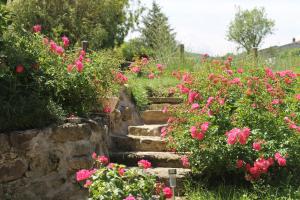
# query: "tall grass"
{"type": "Point", "coordinates": [143, 87]}
{"type": "Point", "coordinates": [230, 192]}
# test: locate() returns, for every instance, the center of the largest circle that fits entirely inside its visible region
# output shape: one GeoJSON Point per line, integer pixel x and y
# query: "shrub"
{"type": "Point", "coordinates": [45, 79]}
{"type": "Point", "coordinates": [239, 122]}
{"type": "Point", "coordinates": [113, 181]}
{"type": "Point", "coordinates": [134, 48]}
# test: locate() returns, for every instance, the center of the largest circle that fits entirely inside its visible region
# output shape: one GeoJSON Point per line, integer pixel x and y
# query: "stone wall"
{"type": "Point", "coordinates": [125, 114]}
{"type": "Point", "coordinates": [41, 164]}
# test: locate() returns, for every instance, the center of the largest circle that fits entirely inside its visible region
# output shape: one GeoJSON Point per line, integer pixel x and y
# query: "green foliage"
{"type": "Point", "coordinates": [249, 28]}
{"type": "Point", "coordinates": [4, 18]}
{"type": "Point", "coordinates": [109, 184]}
{"type": "Point", "coordinates": [142, 86]}
{"type": "Point", "coordinates": [134, 48]}
{"type": "Point", "coordinates": [46, 91]}
{"type": "Point", "coordinates": [247, 103]}
{"type": "Point", "coordinates": [157, 34]}
{"type": "Point", "coordinates": [229, 192]}
{"type": "Point", "coordinates": [103, 23]}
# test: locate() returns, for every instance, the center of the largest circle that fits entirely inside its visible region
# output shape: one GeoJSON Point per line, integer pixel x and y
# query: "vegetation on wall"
{"type": "Point", "coordinates": [45, 80]}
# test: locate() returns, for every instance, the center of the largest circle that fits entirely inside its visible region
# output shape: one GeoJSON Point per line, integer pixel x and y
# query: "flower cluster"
{"type": "Point", "coordinates": [107, 177]}
{"type": "Point", "coordinates": [196, 134]}
{"type": "Point", "coordinates": [145, 164]}
{"type": "Point", "coordinates": [238, 135]}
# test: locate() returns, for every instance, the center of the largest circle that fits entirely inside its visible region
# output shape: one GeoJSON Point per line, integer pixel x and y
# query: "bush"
{"type": "Point", "coordinates": [239, 122]}
{"type": "Point", "coordinates": [113, 181]}
{"type": "Point", "coordinates": [47, 80]}
{"type": "Point", "coordinates": [134, 48]}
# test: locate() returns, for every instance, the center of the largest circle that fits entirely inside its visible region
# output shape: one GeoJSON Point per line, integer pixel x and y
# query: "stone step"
{"type": "Point", "coordinates": [159, 106]}
{"type": "Point", "coordinates": [138, 143]}
{"type": "Point", "coordinates": [169, 100]}
{"type": "Point", "coordinates": [163, 176]}
{"type": "Point", "coordinates": [155, 117]}
{"type": "Point", "coordinates": [146, 130]}
{"type": "Point", "coordinates": [158, 159]}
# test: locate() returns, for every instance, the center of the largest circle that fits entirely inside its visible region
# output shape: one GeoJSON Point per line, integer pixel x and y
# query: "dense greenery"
{"type": "Point", "coordinates": [43, 82]}
{"type": "Point", "coordinates": [103, 23]}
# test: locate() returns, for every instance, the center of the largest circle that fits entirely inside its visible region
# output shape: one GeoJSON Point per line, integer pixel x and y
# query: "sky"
{"type": "Point", "coordinates": [201, 25]}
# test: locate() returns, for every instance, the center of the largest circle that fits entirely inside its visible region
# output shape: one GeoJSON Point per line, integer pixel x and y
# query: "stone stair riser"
{"type": "Point", "coordinates": [143, 131]}
{"type": "Point", "coordinates": [131, 160]}
{"type": "Point", "coordinates": [135, 144]}
{"type": "Point", "coordinates": [155, 117]}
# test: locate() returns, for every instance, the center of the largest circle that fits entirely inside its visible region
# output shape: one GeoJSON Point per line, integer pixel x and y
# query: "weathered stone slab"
{"type": "Point", "coordinates": [80, 148]}
{"type": "Point", "coordinates": [71, 132]}
{"type": "Point", "coordinates": [170, 100]}
{"type": "Point", "coordinates": [146, 130]}
{"type": "Point", "coordinates": [12, 170]}
{"type": "Point", "coordinates": [157, 159]}
{"type": "Point", "coordinates": [22, 140]}
{"type": "Point", "coordinates": [4, 143]}
{"type": "Point", "coordinates": [155, 117]}
{"type": "Point", "coordinates": [138, 143]}
{"type": "Point", "coordinates": [78, 163]}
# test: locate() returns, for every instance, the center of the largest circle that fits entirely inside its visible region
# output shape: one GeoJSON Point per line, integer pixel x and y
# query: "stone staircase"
{"type": "Point", "coordinates": [145, 142]}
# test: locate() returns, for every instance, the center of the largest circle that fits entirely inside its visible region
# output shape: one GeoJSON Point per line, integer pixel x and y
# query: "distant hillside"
{"type": "Point", "coordinates": [276, 50]}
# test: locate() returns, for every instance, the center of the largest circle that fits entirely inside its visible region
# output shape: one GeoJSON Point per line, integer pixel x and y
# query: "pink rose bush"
{"type": "Point", "coordinates": [105, 178]}
{"type": "Point", "coordinates": [237, 120]}
{"type": "Point", "coordinates": [73, 80]}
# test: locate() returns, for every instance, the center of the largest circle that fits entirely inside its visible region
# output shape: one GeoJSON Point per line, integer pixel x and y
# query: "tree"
{"type": "Point", "coordinates": [104, 23]}
{"type": "Point", "coordinates": [250, 27]}
{"type": "Point", "coordinates": [157, 33]}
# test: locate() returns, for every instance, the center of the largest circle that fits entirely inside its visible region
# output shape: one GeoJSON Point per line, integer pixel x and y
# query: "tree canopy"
{"type": "Point", "coordinates": [250, 27]}
{"type": "Point", "coordinates": [157, 33]}
{"type": "Point", "coordinates": [104, 23]}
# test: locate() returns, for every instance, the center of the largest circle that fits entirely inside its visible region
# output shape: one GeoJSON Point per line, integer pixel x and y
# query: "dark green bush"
{"type": "Point", "coordinates": [135, 48]}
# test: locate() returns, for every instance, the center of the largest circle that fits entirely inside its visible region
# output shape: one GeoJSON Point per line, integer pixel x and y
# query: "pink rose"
{"type": "Point", "coordinates": [159, 67]}
{"type": "Point", "coordinates": [84, 174]}
{"type": "Point", "coordinates": [121, 171]}
{"type": "Point", "coordinates": [168, 193]}
{"type": "Point", "coordinates": [164, 132]}
{"type": "Point", "coordinates": [204, 126]}
{"type": "Point", "coordinates": [240, 70]}
{"type": "Point", "coordinates": [192, 96]}
{"type": "Point", "coordinates": [145, 164]}
{"type": "Point", "coordinates": [195, 106]}
{"type": "Point", "coordinates": [130, 198]}
{"type": "Point", "coordinates": [281, 161]}
{"type": "Point", "coordinates": [151, 76]}
{"type": "Point", "coordinates": [87, 183]}
{"type": "Point", "coordinates": [79, 65]}
{"type": "Point", "coordinates": [103, 160]}
{"type": "Point", "coordinates": [256, 146]}
{"type": "Point", "coordinates": [239, 164]}
{"type": "Point", "coordinates": [37, 28]}
{"type": "Point", "coordinates": [59, 50]}
{"type": "Point", "coordinates": [185, 161]}
{"type": "Point", "coordinates": [66, 41]}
